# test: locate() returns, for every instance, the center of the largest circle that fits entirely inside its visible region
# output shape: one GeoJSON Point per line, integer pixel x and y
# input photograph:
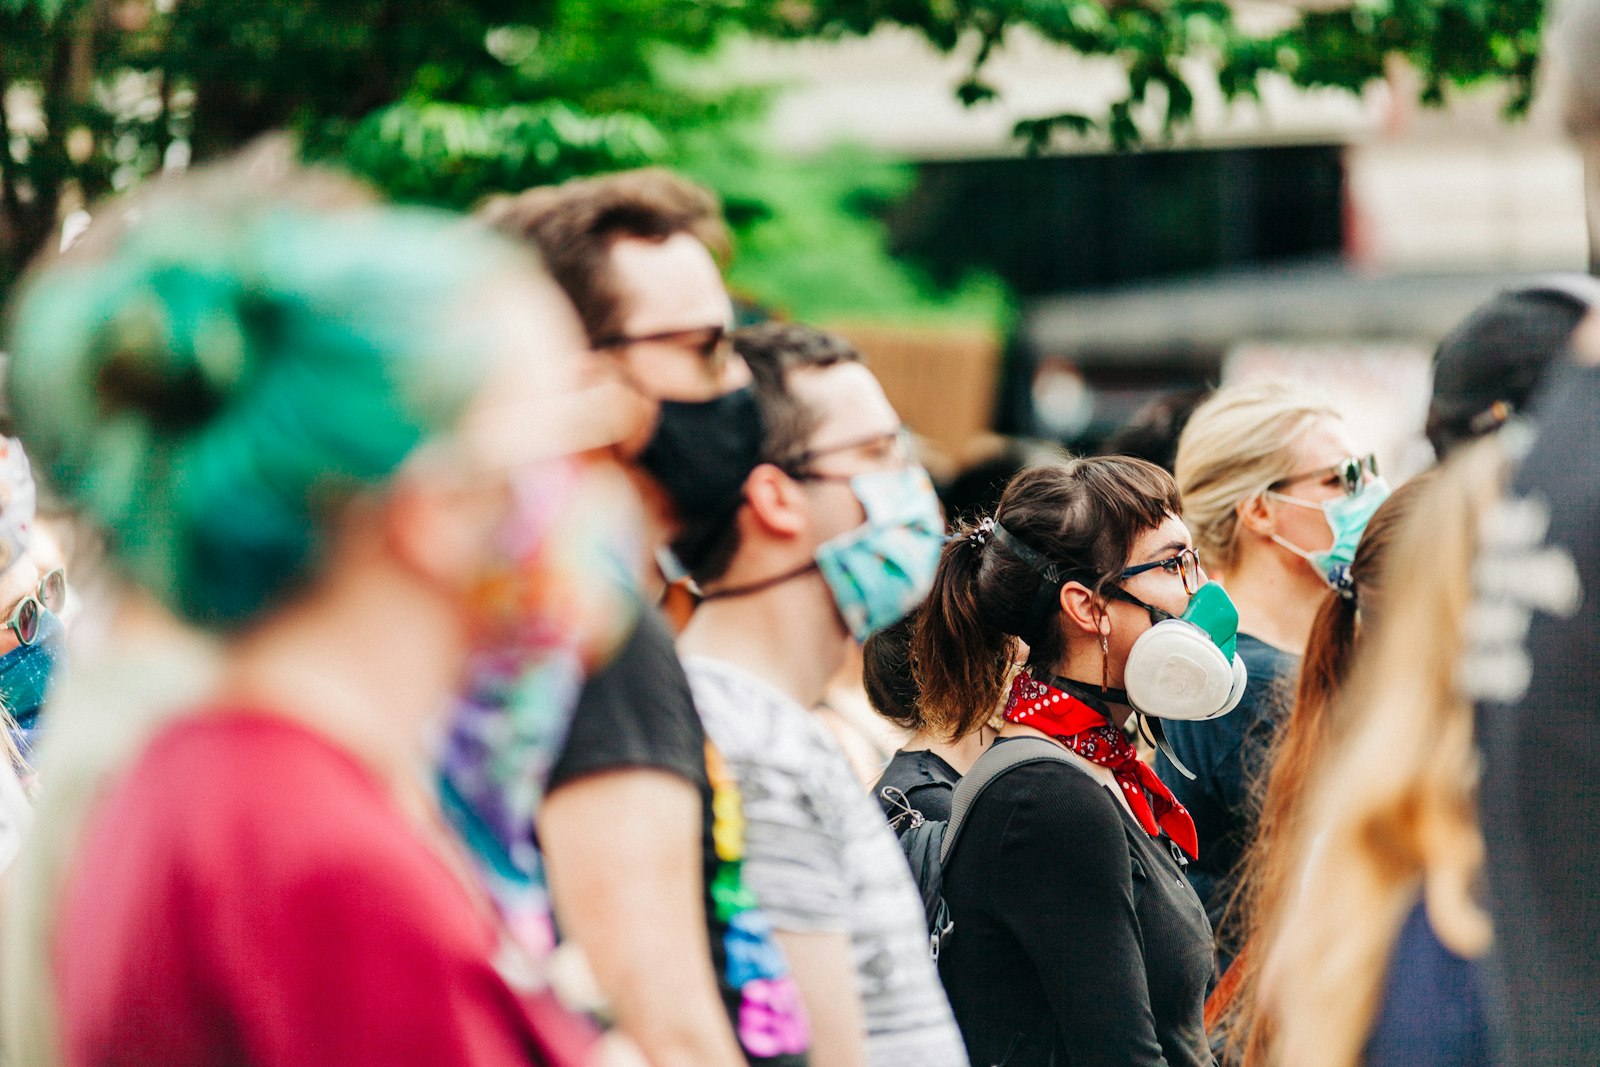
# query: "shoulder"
{"type": "Point", "coordinates": [1052, 799]}
{"type": "Point", "coordinates": [1267, 664]}
{"type": "Point", "coordinates": [257, 808]}
{"type": "Point", "coordinates": [637, 711]}
{"type": "Point", "coordinates": [924, 787]}
{"type": "Point", "coordinates": [750, 720]}
{"type": "Point", "coordinates": [917, 769]}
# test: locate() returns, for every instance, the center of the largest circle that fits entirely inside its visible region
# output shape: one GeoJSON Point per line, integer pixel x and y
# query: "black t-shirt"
{"type": "Point", "coordinates": [1536, 672]}
{"type": "Point", "coordinates": [1228, 755]}
{"type": "Point", "coordinates": [638, 712]}
{"type": "Point", "coordinates": [927, 783]}
{"type": "Point", "coordinates": [1077, 938]}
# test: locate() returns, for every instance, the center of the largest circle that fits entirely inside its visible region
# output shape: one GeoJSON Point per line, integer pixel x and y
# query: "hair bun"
{"type": "Point", "coordinates": [173, 353]}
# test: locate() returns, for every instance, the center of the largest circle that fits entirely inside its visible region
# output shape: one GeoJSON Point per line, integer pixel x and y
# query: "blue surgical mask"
{"type": "Point", "coordinates": [26, 670]}
{"type": "Point", "coordinates": [882, 570]}
{"type": "Point", "coordinates": [1347, 517]}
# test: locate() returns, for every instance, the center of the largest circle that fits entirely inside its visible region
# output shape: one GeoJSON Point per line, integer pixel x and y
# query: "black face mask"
{"type": "Point", "coordinates": [702, 451]}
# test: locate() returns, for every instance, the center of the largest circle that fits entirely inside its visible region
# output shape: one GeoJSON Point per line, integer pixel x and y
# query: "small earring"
{"type": "Point", "coordinates": [1105, 661]}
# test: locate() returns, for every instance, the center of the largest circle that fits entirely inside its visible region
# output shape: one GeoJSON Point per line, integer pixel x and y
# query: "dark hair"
{"type": "Point", "coordinates": [886, 671]}
{"type": "Point", "coordinates": [1155, 428]}
{"type": "Point", "coordinates": [1083, 515]}
{"type": "Point", "coordinates": [573, 226]}
{"type": "Point", "coordinates": [772, 350]}
{"type": "Point", "coordinates": [1301, 745]}
{"type": "Point", "coordinates": [1491, 364]}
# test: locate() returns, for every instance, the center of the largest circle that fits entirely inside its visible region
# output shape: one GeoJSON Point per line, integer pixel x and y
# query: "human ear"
{"type": "Point", "coordinates": [1255, 516]}
{"type": "Point", "coordinates": [1082, 611]}
{"type": "Point", "coordinates": [776, 502]}
{"type": "Point", "coordinates": [443, 535]}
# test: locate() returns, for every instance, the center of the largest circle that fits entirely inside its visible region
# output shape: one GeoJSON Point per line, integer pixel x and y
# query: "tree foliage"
{"type": "Point", "coordinates": [446, 101]}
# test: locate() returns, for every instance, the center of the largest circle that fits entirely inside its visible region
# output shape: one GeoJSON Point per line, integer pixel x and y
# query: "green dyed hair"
{"type": "Point", "coordinates": [235, 354]}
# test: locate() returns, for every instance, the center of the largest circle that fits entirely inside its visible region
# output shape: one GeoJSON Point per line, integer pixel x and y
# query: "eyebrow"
{"type": "Point", "coordinates": [1166, 551]}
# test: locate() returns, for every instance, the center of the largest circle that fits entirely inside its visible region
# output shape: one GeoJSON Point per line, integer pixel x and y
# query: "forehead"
{"type": "Point", "coordinates": [1323, 443]}
{"type": "Point", "coordinates": [524, 407]}
{"type": "Point", "coordinates": [1157, 542]}
{"type": "Point", "coordinates": [667, 285]}
{"type": "Point", "coordinates": [846, 400]}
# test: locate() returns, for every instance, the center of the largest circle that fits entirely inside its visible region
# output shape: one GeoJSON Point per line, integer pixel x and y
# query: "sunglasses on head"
{"type": "Point", "coordinates": [29, 612]}
{"type": "Point", "coordinates": [1352, 472]}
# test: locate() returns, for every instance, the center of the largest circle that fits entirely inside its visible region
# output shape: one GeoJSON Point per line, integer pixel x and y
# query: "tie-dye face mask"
{"type": "Point", "coordinates": [557, 603]}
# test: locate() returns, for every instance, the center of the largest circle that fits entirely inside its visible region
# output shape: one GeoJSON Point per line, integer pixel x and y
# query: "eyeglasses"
{"type": "Point", "coordinates": [1352, 472]}
{"type": "Point", "coordinates": [51, 594]}
{"type": "Point", "coordinates": [1185, 564]}
{"type": "Point", "coordinates": [890, 449]}
{"type": "Point", "coordinates": [713, 344]}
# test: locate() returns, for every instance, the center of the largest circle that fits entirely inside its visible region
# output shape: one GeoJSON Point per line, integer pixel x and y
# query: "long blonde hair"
{"type": "Point", "coordinates": [1235, 445]}
{"type": "Point", "coordinates": [1393, 815]}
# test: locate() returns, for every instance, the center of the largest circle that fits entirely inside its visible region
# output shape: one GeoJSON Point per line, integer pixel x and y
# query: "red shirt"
{"type": "Point", "coordinates": [249, 894]}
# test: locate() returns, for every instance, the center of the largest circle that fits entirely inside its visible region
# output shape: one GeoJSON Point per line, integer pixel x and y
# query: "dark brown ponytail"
{"type": "Point", "coordinates": [959, 658]}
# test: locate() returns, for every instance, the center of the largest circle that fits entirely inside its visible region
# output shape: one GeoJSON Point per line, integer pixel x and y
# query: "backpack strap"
{"type": "Point", "coordinates": [996, 760]}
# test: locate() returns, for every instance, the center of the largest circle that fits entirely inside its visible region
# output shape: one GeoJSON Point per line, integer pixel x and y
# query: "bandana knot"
{"type": "Point", "coordinates": [1086, 732]}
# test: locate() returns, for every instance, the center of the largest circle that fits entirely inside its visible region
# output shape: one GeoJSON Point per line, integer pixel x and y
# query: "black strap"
{"type": "Point", "coordinates": [996, 760]}
{"type": "Point", "coordinates": [760, 586]}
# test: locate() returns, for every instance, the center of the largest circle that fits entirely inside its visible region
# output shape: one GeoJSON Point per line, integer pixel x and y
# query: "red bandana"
{"type": "Point", "coordinates": [1086, 732]}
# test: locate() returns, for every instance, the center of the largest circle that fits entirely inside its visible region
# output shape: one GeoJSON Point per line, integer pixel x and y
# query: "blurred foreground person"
{"type": "Point", "coordinates": [1373, 958]}
{"type": "Point", "coordinates": [306, 425]}
{"type": "Point", "coordinates": [641, 829]}
{"type": "Point", "coordinates": [1487, 369]}
{"type": "Point", "coordinates": [1533, 670]}
{"type": "Point", "coordinates": [922, 776]}
{"type": "Point", "coordinates": [1309, 735]}
{"type": "Point", "coordinates": [1277, 496]}
{"type": "Point", "coordinates": [1076, 938]}
{"type": "Point", "coordinates": [837, 537]}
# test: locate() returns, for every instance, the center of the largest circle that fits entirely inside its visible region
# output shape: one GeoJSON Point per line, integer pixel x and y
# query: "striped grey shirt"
{"type": "Point", "coordinates": [821, 858]}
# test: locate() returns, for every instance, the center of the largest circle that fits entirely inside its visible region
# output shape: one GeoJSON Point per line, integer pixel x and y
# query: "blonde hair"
{"type": "Point", "coordinates": [1235, 445]}
{"type": "Point", "coordinates": [1393, 814]}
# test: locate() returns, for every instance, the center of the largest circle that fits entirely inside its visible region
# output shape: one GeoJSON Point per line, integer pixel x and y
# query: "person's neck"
{"type": "Point", "coordinates": [1277, 599]}
{"type": "Point", "coordinates": [789, 635]}
{"type": "Point", "coordinates": [336, 665]}
{"type": "Point", "coordinates": [960, 754]}
{"type": "Point", "coordinates": [1086, 666]}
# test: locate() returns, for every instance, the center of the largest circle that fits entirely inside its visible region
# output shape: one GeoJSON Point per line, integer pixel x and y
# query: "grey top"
{"type": "Point", "coordinates": [820, 858]}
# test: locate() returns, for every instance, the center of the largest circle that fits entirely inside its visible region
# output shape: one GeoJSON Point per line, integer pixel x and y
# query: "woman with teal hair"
{"type": "Point", "coordinates": [308, 428]}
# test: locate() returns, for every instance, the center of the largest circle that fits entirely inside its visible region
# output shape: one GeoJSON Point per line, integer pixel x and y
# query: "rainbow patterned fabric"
{"type": "Point", "coordinates": [772, 1024]}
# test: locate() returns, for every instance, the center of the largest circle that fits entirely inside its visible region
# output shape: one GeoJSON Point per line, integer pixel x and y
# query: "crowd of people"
{"type": "Point", "coordinates": [427, 640]}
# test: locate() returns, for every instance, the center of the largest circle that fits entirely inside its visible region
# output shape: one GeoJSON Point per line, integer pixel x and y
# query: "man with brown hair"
{"type": "Point", "coordinates": [629, 830]}
{"type": "Point", "coordinates": [837, 535]}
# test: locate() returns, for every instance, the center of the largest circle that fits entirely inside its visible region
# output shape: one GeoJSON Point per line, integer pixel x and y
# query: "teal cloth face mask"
{"type": "Point", "coordinates": [1347, 517]}
{"type": "Point", "coordinates": [881, 570]}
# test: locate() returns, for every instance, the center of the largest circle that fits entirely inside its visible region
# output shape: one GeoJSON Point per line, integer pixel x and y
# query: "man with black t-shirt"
{"type": "Point", "coordinates": [628, 828]}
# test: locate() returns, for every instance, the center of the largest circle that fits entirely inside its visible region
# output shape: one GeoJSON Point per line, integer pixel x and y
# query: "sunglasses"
{"type": "Point", "coordinates": [1185, 564]}
{"type": "Point", "coordinates": [713, 344]}
{"type": "Point", "coordinates": [891, 448]}
{"type": "Point", "coordinates": [26, 616]}
{"type": "Point", "coordinates": [1352, 472]}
